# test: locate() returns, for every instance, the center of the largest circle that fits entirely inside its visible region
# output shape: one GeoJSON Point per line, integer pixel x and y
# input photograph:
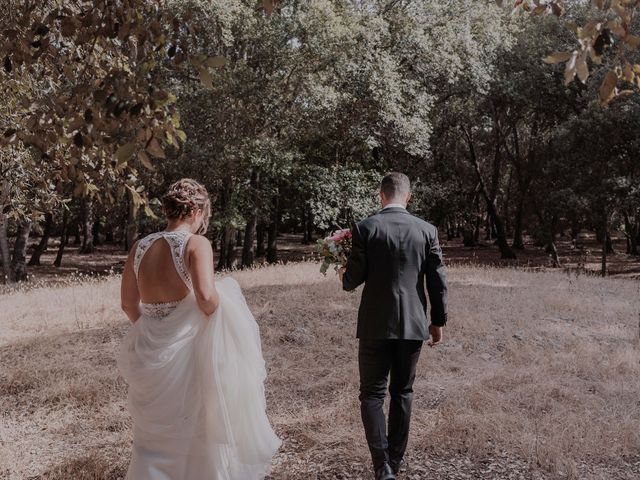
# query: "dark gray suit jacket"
{"type": "Point", "coordinates": [396, 255]}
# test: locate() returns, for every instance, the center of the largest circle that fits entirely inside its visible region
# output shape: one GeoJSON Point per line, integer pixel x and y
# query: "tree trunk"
{"type": "Point", "coordinates": [609, 243]}
{"type": "Point", "coordinates": [95, 229]}
{"type": "Point", "coordinates": [310, 226]}
{"type": "Point", "coordinates": [5, 254]}
{"type": "Point", "coordinates": [227, 251]}
{"type": "Point", "coordinates": [468, 238]}
{"type": "Point", "coordinates": [250, 230]}
{"type": "Point", "coordinates": [307, 226]}
{"type": "Point", "coordinates": [247, 248]}
{"type": "Point", "coordinates": [44, 241]}
{"type": "Point", "coordinates": [551, 242]}
{"type": "Point", "coordinates": [501, 237]}
{"type": "Point", "coordinates": [575, 232]}
{"type": "Point", "coordinates": [260, 237]}
{"type": "Point", "coordinates": [553, 251]}
{"type": "Point", "coordinates": [603, 270]}
{"type": "Point", "coordinates": [305, 240]}
{"type": "Point", "coordinates": [19, 260]}
{"type": "Point", "coordinates": [87, 226]}
{"type": "Point", "coordinates": [634, 238]}
{"type": "Point", "coordinates": [272, 242]}
{"type": "Point", "coordinates": [631, 233]}
{"type": "Point", "coordinates": [272, 233]}
{"type": "Point", "coordinates": [450, 231]}
{"type": "Point", "coordinates": [508, 227]}
{"type": "Point", "coordinates": [488, 228]}
{"type": "Point", "coordinates": [77, 238]}
{"type": "Point", "coordinates": [518, 241]}
{"type": "Point", "coordinates": [64, 237]}
{"type": "Point", "coordinates": [476, 230]}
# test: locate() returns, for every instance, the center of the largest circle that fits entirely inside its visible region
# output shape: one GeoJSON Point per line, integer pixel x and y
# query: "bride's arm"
{"type": "Point", "coordinates": [202, 275]}
{"type": "Point", "coordinates": [129, 295]}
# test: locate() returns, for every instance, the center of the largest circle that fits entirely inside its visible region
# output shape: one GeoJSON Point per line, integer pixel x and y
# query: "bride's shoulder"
{"type": "Point", "coordinates": [197, 242]}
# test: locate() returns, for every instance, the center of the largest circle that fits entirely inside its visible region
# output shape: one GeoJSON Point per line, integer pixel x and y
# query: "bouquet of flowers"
{"type": "Point", "coordinates": [335, 250]}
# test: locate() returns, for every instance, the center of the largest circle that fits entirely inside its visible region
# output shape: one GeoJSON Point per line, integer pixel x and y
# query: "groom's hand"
{"type": "Point", "coordinates": [436, 335]}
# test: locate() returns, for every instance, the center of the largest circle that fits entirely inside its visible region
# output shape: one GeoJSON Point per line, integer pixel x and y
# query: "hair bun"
{"type": "Point", "coordinates": [183, 198]}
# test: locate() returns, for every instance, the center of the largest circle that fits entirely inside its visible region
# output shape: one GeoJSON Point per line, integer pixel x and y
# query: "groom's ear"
{"type": "Point", "coordinates": [409, 195]}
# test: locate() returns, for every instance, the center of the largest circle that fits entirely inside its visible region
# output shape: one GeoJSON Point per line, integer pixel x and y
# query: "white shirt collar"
{"type": "Point", "coordinates": [395, 205]}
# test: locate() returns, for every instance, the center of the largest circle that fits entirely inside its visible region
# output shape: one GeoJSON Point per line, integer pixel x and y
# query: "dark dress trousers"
{"type": "Point", "coordinates": [397, 256]}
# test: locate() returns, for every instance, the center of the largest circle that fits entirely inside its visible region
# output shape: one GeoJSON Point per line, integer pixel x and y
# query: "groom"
{"type": "Point", "coordinates": [395, 255]}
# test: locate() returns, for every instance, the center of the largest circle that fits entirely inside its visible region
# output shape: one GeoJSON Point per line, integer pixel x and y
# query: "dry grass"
{"type": "Point", "coordinates": [540, 371]}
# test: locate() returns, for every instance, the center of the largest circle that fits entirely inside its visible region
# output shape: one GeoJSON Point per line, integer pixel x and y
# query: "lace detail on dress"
{"type": "Point", "coordinates": [178, 241]}
{"type": "Point", "coordinates": [158, 310]}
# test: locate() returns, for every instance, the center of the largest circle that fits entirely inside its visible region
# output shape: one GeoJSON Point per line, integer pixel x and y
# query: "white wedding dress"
{"type": "Point", "coordinates": [196, 385]}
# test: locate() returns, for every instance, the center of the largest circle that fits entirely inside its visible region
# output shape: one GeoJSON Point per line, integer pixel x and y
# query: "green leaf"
{"type": "Point", "coordinates": [216, 62]}
{"type": "Point", "coordinates": [148, 212]}
{"type": "Point", "coordinates": [124, 153]}
{"type": "Point", "coordinates": [135, 197]}
{"type": "Point", "coordinates": [154, 148]}
{"type": "Point", "coordinates": [582, 69]}
{"type": "Point", "coordinates": [181, 135]}
{"type": "Point", "coordinates": [628, 75]}
{"type": "Point", "coordinates": [145, 160]}
{"type": "Point", "coordinates": [570, 71]}
{"type": "Point", "coordinates": [205, 78]}
{"type": "Point", "coordinates": [557, 57]}
{"type": "Point", "coordinates": [608, 87]}
{"type": "Point", "coordinates": [573, 27]}
{"type": "Point", "coordinates": [633, 41]}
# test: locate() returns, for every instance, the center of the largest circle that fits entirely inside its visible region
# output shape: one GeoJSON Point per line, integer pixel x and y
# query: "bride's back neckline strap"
{"type": "Point", "coordinates": [177, 241]}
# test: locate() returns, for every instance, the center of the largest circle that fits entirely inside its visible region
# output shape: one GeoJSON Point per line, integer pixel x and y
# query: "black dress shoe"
{"type": "Point", "coordinates": [396, 466]}
{"type": "Point", "coordinates": [385, 472]}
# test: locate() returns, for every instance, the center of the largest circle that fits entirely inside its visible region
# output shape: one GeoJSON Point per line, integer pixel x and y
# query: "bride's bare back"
{"type": "Point", "coordinates": [158, 280]}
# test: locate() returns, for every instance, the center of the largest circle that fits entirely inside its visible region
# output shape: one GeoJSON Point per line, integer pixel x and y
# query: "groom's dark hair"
{"type": "Point", "coordinates": [395, 185]}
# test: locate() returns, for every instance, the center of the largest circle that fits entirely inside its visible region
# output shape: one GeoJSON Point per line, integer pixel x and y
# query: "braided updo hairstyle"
{"type": "Point", "coordinates": [184, 198]}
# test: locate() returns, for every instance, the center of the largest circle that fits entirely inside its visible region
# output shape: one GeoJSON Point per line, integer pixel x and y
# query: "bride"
{"type": "Point", "coordinates": [192, 358]}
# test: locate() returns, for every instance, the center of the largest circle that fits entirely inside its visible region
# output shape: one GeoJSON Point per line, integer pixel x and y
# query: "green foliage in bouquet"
{"type": "Point", "coordinates": [335, 250]}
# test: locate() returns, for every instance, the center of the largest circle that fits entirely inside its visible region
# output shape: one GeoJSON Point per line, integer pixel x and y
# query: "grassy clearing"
{"type": "Point", "coordinates": [540, 369]}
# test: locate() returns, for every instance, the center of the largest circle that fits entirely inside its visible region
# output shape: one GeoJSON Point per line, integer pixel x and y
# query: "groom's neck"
{"type": "Point", "coordinates": [395, 201]}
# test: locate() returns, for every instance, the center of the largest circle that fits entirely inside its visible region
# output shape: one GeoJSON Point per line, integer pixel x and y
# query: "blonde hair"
{"type": "Point", "coordinates": [184, 198]}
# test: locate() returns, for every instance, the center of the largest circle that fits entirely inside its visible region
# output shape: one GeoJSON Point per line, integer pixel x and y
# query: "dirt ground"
{"type": "Point", "coordinates": [538, 378]}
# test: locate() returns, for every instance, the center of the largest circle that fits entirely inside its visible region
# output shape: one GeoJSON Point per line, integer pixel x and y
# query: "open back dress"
{"type": "Point", "coordinates": [196, 384]}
